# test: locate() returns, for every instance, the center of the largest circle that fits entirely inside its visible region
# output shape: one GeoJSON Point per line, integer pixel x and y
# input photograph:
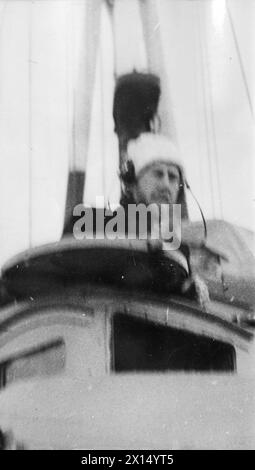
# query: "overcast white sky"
{"type": "Point", "coordinates": [211, 68]}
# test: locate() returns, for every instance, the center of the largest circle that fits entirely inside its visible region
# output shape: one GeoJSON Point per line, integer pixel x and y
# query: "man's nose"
{"type": "Point", "coordinates": [165, 179]}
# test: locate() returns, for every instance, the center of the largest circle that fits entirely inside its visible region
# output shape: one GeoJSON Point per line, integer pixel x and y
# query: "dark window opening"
{"type": "Point", "coordinates": [139, 345]}
{"type": "Point", "coordinates": [46, 359]}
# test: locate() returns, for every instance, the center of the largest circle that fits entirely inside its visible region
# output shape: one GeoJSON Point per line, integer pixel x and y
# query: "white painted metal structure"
{"type": "Point", "coordinates": [85, 406]}
{"type": "Point", "coordinates": [58, 352]}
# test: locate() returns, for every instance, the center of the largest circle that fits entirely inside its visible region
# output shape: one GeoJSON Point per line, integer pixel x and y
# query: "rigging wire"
{"type": "Point", "coordinates": [204, 64]}
{"type": "Point", "coordinates": [2, 17]}
{"type": "Point", "coordinates": [199, 155]}
{"type": "Point", "coordinates": [201, 53]}
{"type": "Point", "coordinates": [215, 155]}
{"type": "Point", "coordinates": [70, 88]}
{"type": "Point", "coordinates": [30, 138]}
{"type": "Point", "coordinates": [102, 98]}
{"type": "Point", "coordinates": [244, 77]}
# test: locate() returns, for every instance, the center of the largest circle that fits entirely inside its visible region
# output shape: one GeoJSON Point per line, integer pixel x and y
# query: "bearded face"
{"type": "Point", "coordinates": [158, 183]}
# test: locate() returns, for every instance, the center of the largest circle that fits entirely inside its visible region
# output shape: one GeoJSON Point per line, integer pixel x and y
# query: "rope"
{"type": "Point", "coordinates": [200, 209]}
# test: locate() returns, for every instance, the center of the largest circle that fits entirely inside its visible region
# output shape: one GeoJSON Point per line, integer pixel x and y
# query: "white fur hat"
{"type": "Point", "coordinates": [149, 148]}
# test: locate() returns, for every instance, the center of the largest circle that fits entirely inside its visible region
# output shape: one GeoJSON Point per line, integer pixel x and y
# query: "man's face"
{"type": "Point", "coordinates": [158, 184]}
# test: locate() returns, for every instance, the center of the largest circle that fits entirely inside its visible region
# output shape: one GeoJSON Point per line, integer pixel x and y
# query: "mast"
{"type": "Point", "coordinates": [83, 95]}
{"type": "Point", "coordinates": [142, 100]}
{"type": "Point", "coordinates": [156, 64]}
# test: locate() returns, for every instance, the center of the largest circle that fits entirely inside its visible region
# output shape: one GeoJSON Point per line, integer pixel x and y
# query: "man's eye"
{"type": "Point", "coordinates": [172, 176]}
{"type": "Point", "coordinates": [158, 173]}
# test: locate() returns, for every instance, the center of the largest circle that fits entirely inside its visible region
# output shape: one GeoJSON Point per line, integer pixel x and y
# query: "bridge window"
{"type": "Point", "coordinates": [139, 345]}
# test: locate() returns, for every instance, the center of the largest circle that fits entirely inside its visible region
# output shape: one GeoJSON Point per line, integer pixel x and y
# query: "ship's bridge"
{"type": "Point", "coordinates": [94, 308]}
{"type": "Point", "coordinates": [94, 354]}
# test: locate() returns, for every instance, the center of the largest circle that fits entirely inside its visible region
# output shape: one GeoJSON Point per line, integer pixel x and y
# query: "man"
{"type": "Point", "coordinates": [156, 175]}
